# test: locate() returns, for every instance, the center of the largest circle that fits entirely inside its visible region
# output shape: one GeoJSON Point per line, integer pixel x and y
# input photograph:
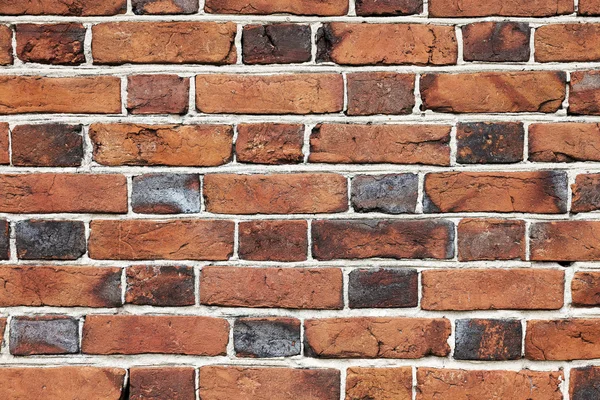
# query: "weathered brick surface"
{"type": "Point", "coordinates": [50, 240]}
{"type": "Point", "coordinates": [392, 194]}
{"type": "Point", "coordinates": [166, 194]}
{"type": "Point", "coordinates": [567, 42]}
{"type": "Point", "coordinates": [162, 7]}
{"type": "Point", "coordinates": [60, 44]}
{"type": "Point", "coordinates": [273, 240]}
{"type": "Point", "coordinates": [496, 41]}
{"type": "Point", "coordinates": [488, 339]}
{"type": "Point", "coordinates": [63, 7]}
{"type": "Point", "coordinates": [489, 143]}
{"type": "Point", "coordinates": [388, 7]}
{"type": "Point", "coordinates": [383, 288]}
{"type": "Point", "coordinates": [373, 93]}
{"type": "Point", "coordinates": [474, 8]}
{"type": "Point", "coordinates": [565, 339]}
{"type": "Point", "coordinates": [6, 54]}
{"type": "Point", "coordinates": [158, 94]}
{"type": "Point", "coordinates": [175, 383]}
{"type": "Point", "coordinates": [160, 285]}
{"type": "Point", "coordinates": [491, 239]}
{"type": "Point", "coordinates": [47, 145]}
{"type": "Point", "coordinates": [379, 383]}
{"type": "Point", "coordinates": [266, 337]}
{"type": "Point", "coordinates": [584, 93]}
{"type": "Point", "coordinates": [307, 7]}
{"type": "Point", "coordinates": [585, 289]}
{"type": "Point", "coordinates": [589, 7]}
{"type": "Point", "coordinates": [4, 143]}
{"type": "Point", "coordinates": [586, 193]}
{"type": "Point", "coordinates": [44, 335]}
{"type": "Point", "coordinates": [564, 142]}
{"type": "Point", "coordinates": [4, 240]}
{"type": "Point", "coordinates": [276, 44]}
{"type": "Point", "coordinates": [270, 143]}
{"type": "Point", "coordinates": [583, 383]}
{"type": "Point", "coordinates": [564, 241]}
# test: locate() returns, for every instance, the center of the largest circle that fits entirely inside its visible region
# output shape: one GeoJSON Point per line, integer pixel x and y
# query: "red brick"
{"type": "Point", "coordinates": [485, 384]}
{"type": "Point", "coordinates": [173, 383]}
{"type": "Point", "coordinates": [160, 285]}
{"type": "Point", "coordinates": [564, 142]}
{"type": "Point", "coordinates": [564, 340]}
{"type": "Point", "coordinates": [63, 7]}
{"type": "Point", "coordinates": [4, 143]}
{"type": "Point", "coordinates": [297, 7]}
{"type": "Point", "coordinates": [353, 44]}
{"type": "Point", "coordinates": [226, 383]}
{"type": "Point", "coordinates": [6, 52]}
{"type": "Point", "coordinates": [584, 95]}
{"type": "Point", "coordinates": [273, 240]}
{"type": "Point", "coordinates": [379, 383]}
{"type": "Point", "coordinates": [69, 193]}
{"type": "Point", "coordinates": [348, 239]}
{"type": "Point", "coordinates": [530, 91]}
{"type": "Point", "coordinates": [162, 7]}
{"type": "Point", "coordinates": [585, 289]}
{"type": "Point", "coordinates": [139, 334]}
{"type": "Point", "coordinates": [567, 43]}
{"type": "Point", "coordinates": [376, 337]}
{"type": "Point", "coordinates": [171, 145]}
{"type": "Point", "coordinates": [59, 44]}
{"type": "Point", "coordinates": [158, 94]}
{"type": "Point", "coordinates": [491, 239]}
{"type": "Point", "coordinates": [367, 144]}
{"type": "Point", "coordinates": [371, 93]}
{"type": "Point", "coordinates": [475, 8]}
{"type": "Point", "coordinates": [183, 239]}
{"type": "Point", "coordinates": [565, 241]}
{"type": "Point", "coordinates": [296, 288]}
{"type": "Point", "coordinates": [366, 8]}
{"type": "Point", "coordinates": [269, 94]}
{"type": "Point", "coordinates": [164, 42]}
{"type": "Point", "coordinates": [60, 383]}
{"type": "Point", "coordinates": [302, 193]}
{"type": "Point", "coordinates": [60, 286]}
{"type": "Point", "coordinates": [543, 192]}
{"type": "Point", "coordinates": [586, 191]}
{"type": "Point", "coordinates": [589, 7]}
{"type": "Point", "coordinates": [270, 143]}
{"type": "Point", "coordinates": [47, 145]}
{"type": "Point", "coordinates": [492, 289]}
{"type": "Point", "coordinates": [81, 95]}
{"type": "Point", "coordinates": [496, 41]}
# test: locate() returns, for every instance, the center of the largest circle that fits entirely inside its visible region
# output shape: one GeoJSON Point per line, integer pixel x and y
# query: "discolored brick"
{"type": "Point", "coordinates": [542, 192]}
{"type": "Point", "coordinates": [295, 288]}
{"type": "Point", "coordinates": [269, 143]}
{"type": "Point", "coordinates": [4, 143]}
{"type": "Point", "coordinates": [367, 8]}
{"type": "Point", "coordinates": [47, 145]}
{"type": "Point", "coordinates": [276, 44]}
{"type": "Point", "coordinates": [371, 93]}
{"type": "Point", "coordinates": [488, 339]}
{"type": "Point", "coordinates": [166, 194]}
{"type": "Point", "coordinates": [565, 241]}
{"type": "Point", "coordinates": [564, 142]}
{"type": "Point", "coordinates": [57, 44]}
{"type": "Point", "coordinates": [567, 43]}
{"type": "Point", "coordinates": [158, 94]}
{"type": "Point", "coordinates": [163, 7]}
{"type": "Point", "coordinates": [491, 239]}
{"type": "Point", "coordinates": [376, 337]}
{"type": "Point", "coordinates": [584, 383]}
{"type": "Point", "coordinates": [173, 383]}
{"type": "Point", "coordinates": [4, 239]}
{"type": "Point", "coordinates": [261, 7]}
{"type": "Point", "coordinates": [496, 41]}
{"type": "Point", "coordinates": [563, 339]}
{"type": "Point", "coordinates": [50, 240]}
{"type": "Point", "coordinates": [383, 288]}
{"type": "Point", "coordinates": [379, 383]}
{"type": "Point", "coordinates": [369, 144]}
{"type": "Point", "coordinates": [266, 337]}
{"type": "Point", "coordinates": [584, 93]}
{"type": "Point", "coordinates": [63, 7]}
{"type": "Point", "coordinates": [44, 335]}
{"type": "Point", "coordinates": [586, 193]}
{"type": "Point", "coordinates": [391, 194]}
{"type": "Point", "coordinates": [6, 52]}
{"type": "Point", "coordinates": [160, 285]}
{"type": "Point", "coordinates": [585, 289]}
{"type": "Point", "coordinates": [475, 8]}
{"type": "Point", "coordinates": [348, 239]}
{"type": "Point", "coordinates": [273, 240]}
{"type": "Point", "coordinates": [490, 143]}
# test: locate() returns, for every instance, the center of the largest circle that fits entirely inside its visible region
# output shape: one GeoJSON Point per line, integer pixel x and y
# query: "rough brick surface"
{"type": "Point", "coordinates": [383, 288]}
{"type": "Point", "coordinates": [4, 144]}
{"type": "Point", "coordinates": [586, 193]}
{"type": "Point", "coordinates": [50, 240]}
{"type": "Point", "coordinates": [276, 44]}
{"type": "Point", "coordinates": [583, 383]}
{"type": "Point", "coordinates": [158, 94]}
{"type": "Point", "coordinates": [166, 194]}
{"type": "Point", "coordinates": [63, 7]}
{"type": "Point", "coordinates": [47, 145]}
{"type": "Point", "coordinates": [480, 239]}
{"type": "Point", "coordinates": [175, 383]}
{"type": "Point", "coordinates": [60, 44]}
{"type": "Point", "coordinates": [584, 93]}
{"type": "Point", "coordinates": [392, 194]}
{"type": "Point", "coordinates": [307, 7]}
{"type": "Point", "coordinates": [6, 54]}
{"type": "Point", "coordinates": [474, 8]}
{"type": "Point", "coordinates": [379, 383]}
{"type": "Point", "coordinates": [273, 240]}
{"type": "Point", "coordinates": [565, 241]}
{"type": "Point", "coordinates": [388, 7]}
{"type": "Point", "coordinates": [160, 285]}
{"type": "Point", "coordinates": [44, 335]}
{"type": "Point", "coordinates": [563, 142]}
{"type": "Point", "coordinates": [162, 7]}
{"type": "Point", "coordinates": [567, 42]}
{"type": "Point", "coordinates": [266, 337]}
{"type": "Point", "coordinates": [489, 143]}
{"type": "Point", "coordinates": [380, 93]}
{"type": "Point", "coordinates": [585, 289]}
{"type": "Point", "coordinates": [565, 339]}
{"type": "Point", "coordinates": [496, 41]}
{"type": "Point", "coordinates": [488, 339]}
{"type": "Point", "coordinates": [270, 143]}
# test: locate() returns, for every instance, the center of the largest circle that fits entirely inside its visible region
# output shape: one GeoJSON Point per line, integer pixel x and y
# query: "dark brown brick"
{"type": "Point", "coordinates": [392, 194]}
{"type": "Point", "coordinates": [383, 288]}
{"type": "Point", "coordinates": [50, 240]}
{"type": "Point", "coordinates": [371, 93]}
{"type": "Point", "coordinates": [63, 7]}
{"type": "Point", "coordinates": [490, 143]}
{"type": "Point", "coordinates": [584, 383]}
{"type": "Point", "coordinates": [4, 239]}
{"type": "Point", "coordinates": [158, 94]}
{"type": "Point", "coordinates": [276, 44]}
{"type": "Point", "coordinates": [496, 41]}
{"type": "Point", "coordinates": [585, 289]}
{"type": "Point", "coordinates": [44, 335]}
{"type": "Point", "coordinates": [162, 383]}
{"type": "Point", "coordinates": [47, 145]}
{"type": "Point", "coordinates": [266, 337]}
{"type": "Point", "coordinates": [273, 240]}
{"type": "Point", "coordinates": [347, 239]}
{"type": "Point", "coordinates": [60, 44]}
{"type": "Point", "coordinates": [488, 339]}
{"type": "Point", "coordinates": [160, 285]}
{"type": "Point", "coordinates": [166, 194]}
{"type": "Point", "coordinates": [366, 8]}
{"type": "Point", "coordinates": [270, 143]}
{"type": "Point", "coordinates": [586, 193]}
{"type": "Point", "coordinates": [491, 239]}
{"type": "Point", "coordinates": [164, 7]}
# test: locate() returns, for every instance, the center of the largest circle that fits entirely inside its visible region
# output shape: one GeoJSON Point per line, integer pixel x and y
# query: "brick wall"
{"type": "Point", "coordinates": [300, 199]}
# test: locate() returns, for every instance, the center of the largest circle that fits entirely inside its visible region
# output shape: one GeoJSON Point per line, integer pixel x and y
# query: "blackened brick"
{"type": "Point", "coordinates": [366, 8]}
{"type": "Point", "coordinates": [160, 285]}
{"type": "Point", "coordinates": [488, 340]}
{"type": "Point", "coordinates": [4, 239]}
{"type": "Point", "coordinates": [490, 143]}
{"type": "Point", "coordinates": [59, 44]}
{"type": "Point", "coordinates": [585, 383]}
{"type": "Point", "coordinates": [273, 240]}
{"type": "Point", "coordinates": [383, 288]}
{"type": "Point", "coordinates": [47, 145]}
{"type": "Point", "coordinates": [266, 337]}
{"type": "Point", "coordinates": [496, 41]}
{"type": "Point", "coordinates": [392, 194]}
{"type": "Point", "coordinates": [50, 240]}
{"type": "Point", "coordinates": [276, 44]}
{"type": "Point", "coordinates": [44, 335]}
{"type": "Point", "coordinates": [164, 383]}
{"type": "Point", "coordinates": [166, 194]}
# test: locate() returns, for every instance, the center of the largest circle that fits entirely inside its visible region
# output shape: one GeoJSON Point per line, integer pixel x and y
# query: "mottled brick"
{"type": "Point", "coordinates": [4, 143]}
{"type": "Point", "coordinates": [379, 383]}
{"type": "Point", "coordinates": [491, 239]}
{"type": "Point", "coordinates": [269, 143]}
{"type": "Point", "coordinates": [158, 94]}
{"type": "Point", "coordinates": [4, 239]}
{"type": "Point", "coordinates": [166, 194]}
{"type": "Point", "coordinates": [59, 44]}
{"type": "Point", "coordinates": [47, 145]}
{"type": "Point", "coordinates": [488, 339]}
{"type": "Point", "coordinates": [163, 7]}
{"type": "Point", "coordinates": [563, 339]}
{"type": "Point", "coordinates": [586, 193]}
{"type": "Point", "coordinates": [584, 94]}
{"type": "Point", "coordinates": [584, 383]}
{"type": "Point", "coordinates": [276, 44]}
{"type": "Point", "coordinates": [371, 93]}
{"type": "Point", "coordinates": [157, 383]}
{"type": "Point", "coordinates": [565, 241]}
{"type": "Point", "coordinates": [273, 240]}
{"type": "Point", "coordinates": [160, 285]}
{"type": "Point", "coordinates": [50, 240]}
{"type": "Point", "coordinates": [490, 143]}
{"type": "Point", "coordinates": [44, 335]}
{"type": "Point", "coordinates": [63, 7]}
{"type": "Point", "coordinates": [383, 288]}
{"type": "Point", "coordinates": [496, 41]}
{"type": "Point", "coordinates": [392, 194]}
{"type": "Point", "coordinates": [260, 7]}
{"type": "Point", "coordinates": [564, 142]}
{"type": "Point", "coordinates": [476, 8]}
{"type": "Point", "coordinates": [367, 8]}
{"type": "Point", "coordinates": [567, 43]}
{"type": "Point", "coordinates": [6, 52]}
{"type": "Point", "coordinates": [585, 289]}
{"type": "Point", "coordinates": [347, 239]}
{"type": "Point", "coordinates": [266, 337]}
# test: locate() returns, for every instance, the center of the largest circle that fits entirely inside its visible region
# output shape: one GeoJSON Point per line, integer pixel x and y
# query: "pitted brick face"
{"type": "Point", "coordinates": [44, 335]}
{"type": "Point", "coordinates": [50, 240]}
{"type": "Point", "coordinates": [166, 194]}
{"type": "Point", "coordinates": [390, 194]}
{"type": "Point", "coordinates": [491, 340]}
{"type": "Point", "coordinates": [276, 44]}
{"type": "Point", "coordinates": [175, 383]}
{"type": "Point", "coordinates": [266, 337]}
{"type": "Point", "coordinates": [160, 285]}
{"type": "Point", "coordinates": [165, 7]}
{"type": "Point", "coordinates": [60, 44]}
{"type": "Point", "coordinates": [47, 145]}
{"type": "Point", "coordinates": [383, 288]}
